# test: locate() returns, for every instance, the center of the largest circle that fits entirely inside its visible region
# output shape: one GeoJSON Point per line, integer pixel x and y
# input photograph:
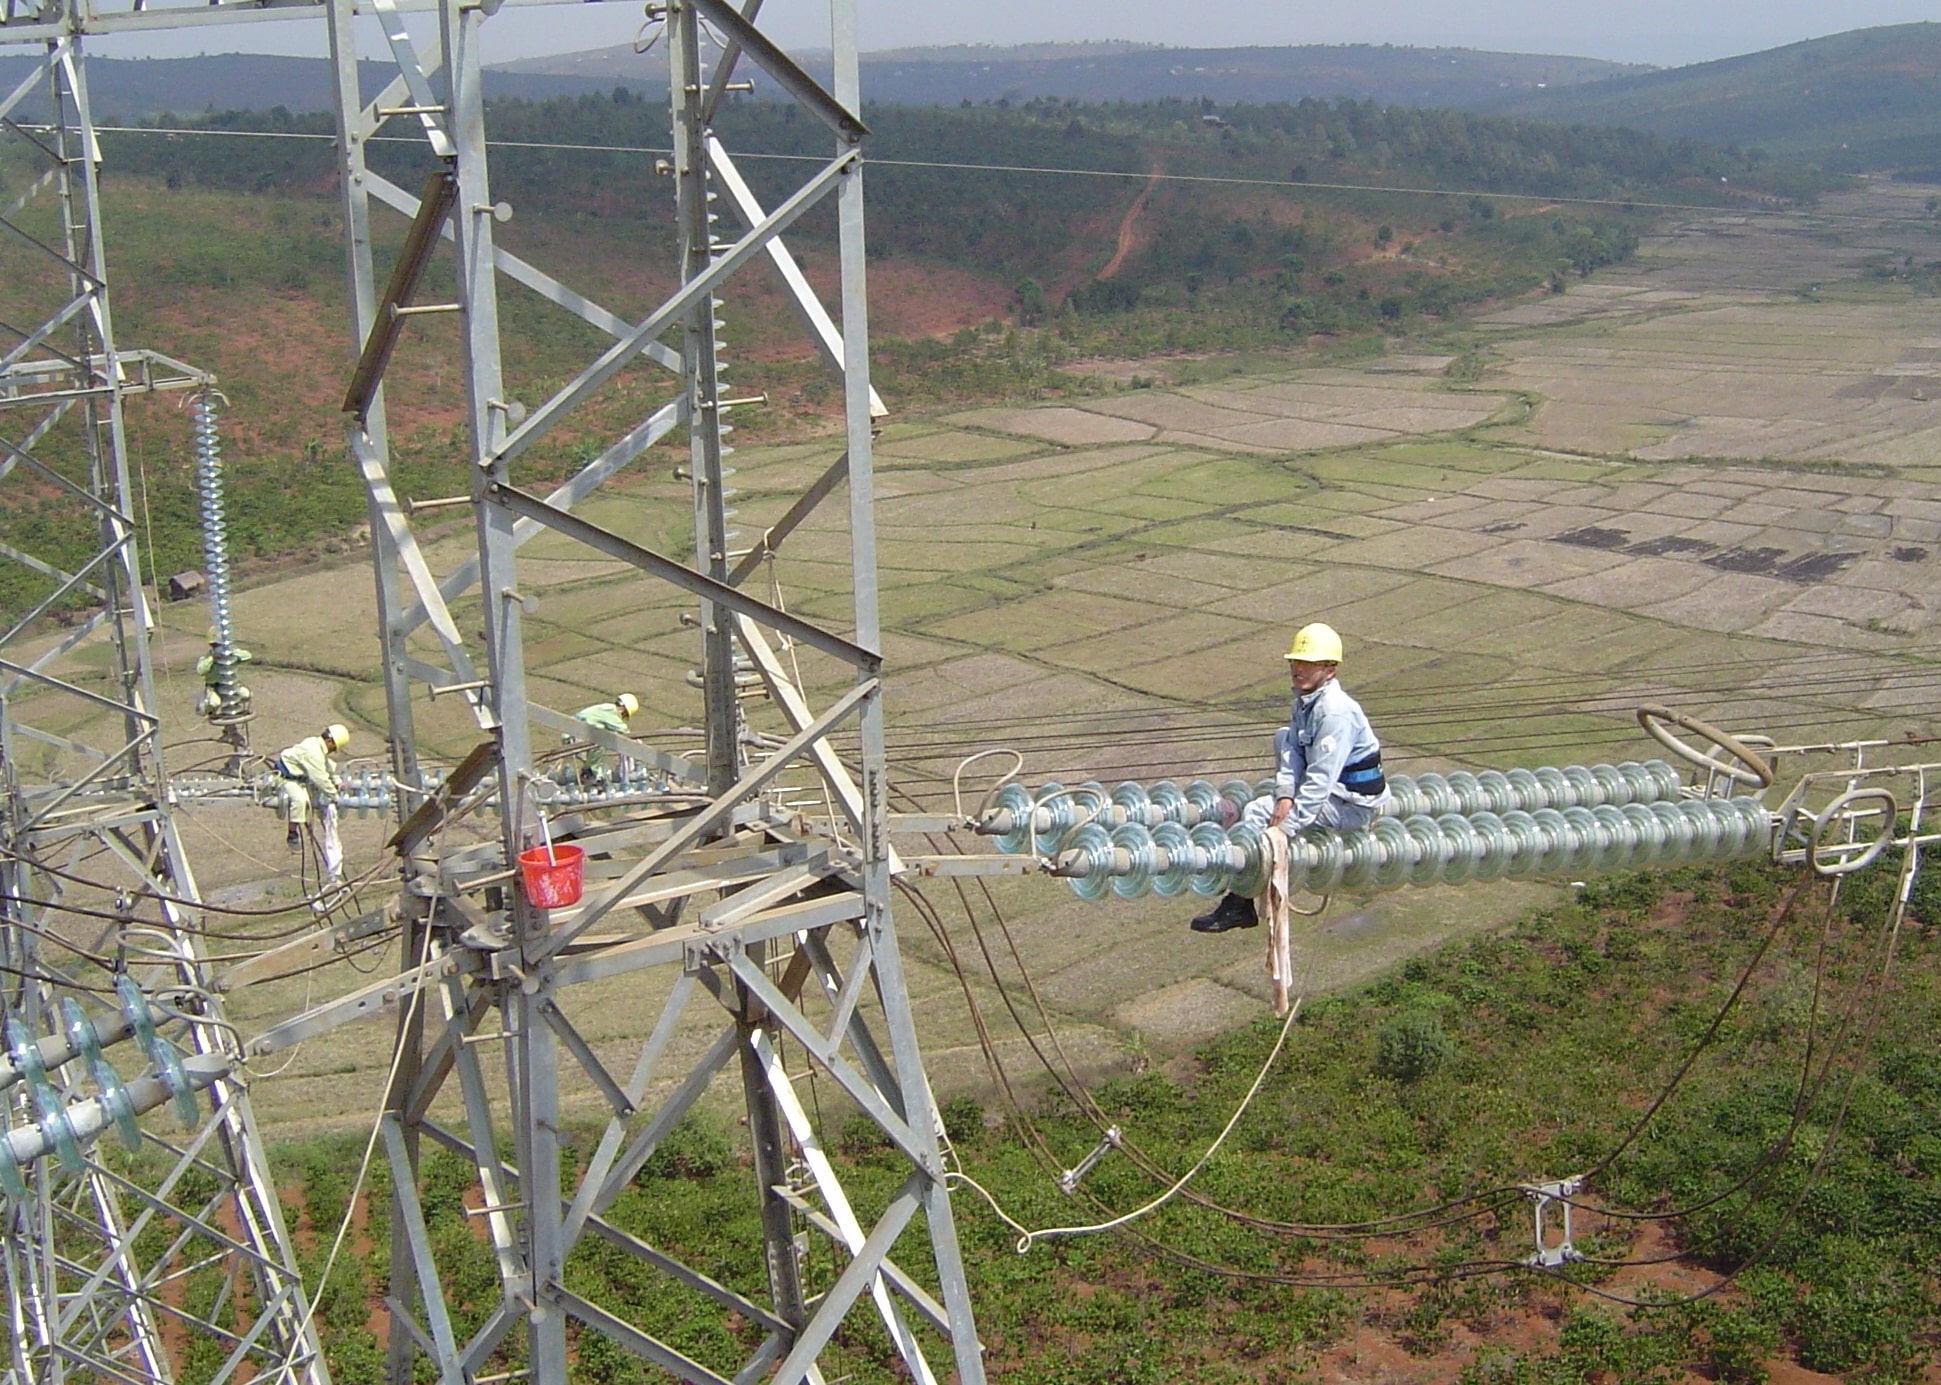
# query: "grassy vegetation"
{"type": "Point", "coordinates": [1795, 1158]}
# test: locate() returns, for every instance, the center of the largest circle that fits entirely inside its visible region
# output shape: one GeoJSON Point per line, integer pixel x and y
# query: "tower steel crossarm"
{"type": "Point", "coordinates": [113, 1257]}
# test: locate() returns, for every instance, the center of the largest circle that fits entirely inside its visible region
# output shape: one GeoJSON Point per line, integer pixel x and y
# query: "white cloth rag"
{"type": "Point", "coordinates": [1271, 904]}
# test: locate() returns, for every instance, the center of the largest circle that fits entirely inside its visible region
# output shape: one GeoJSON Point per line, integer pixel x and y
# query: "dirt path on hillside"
{"type": "Point", "coordinates": [1126, 222]}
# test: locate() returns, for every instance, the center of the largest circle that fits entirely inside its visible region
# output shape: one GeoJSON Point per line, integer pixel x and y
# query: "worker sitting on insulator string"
{"type": "Point", "coordinates": [607, 716]}
{"type": "Point", "coordinates": [209, 703]}
{"type": "Point", "coordinates": [1327, 763]}
{"type": "Point", "coordinates": [310, 785]}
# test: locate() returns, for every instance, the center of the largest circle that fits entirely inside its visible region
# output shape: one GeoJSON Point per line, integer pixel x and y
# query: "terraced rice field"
{"type": "Point", "coordinates": [1706, 479]}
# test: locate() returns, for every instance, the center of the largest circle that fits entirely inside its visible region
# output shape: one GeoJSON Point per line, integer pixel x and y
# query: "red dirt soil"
{"type": "Point", "coordinates": [1126, 240]}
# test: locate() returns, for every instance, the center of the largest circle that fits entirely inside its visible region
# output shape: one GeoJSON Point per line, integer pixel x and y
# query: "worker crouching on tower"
{"type": "Point", "coordinates": [1328, 763]}
{"type": "Point", "coordinates": [611, 716]}
{"type": "Point", "coordinates": [310, 785]}
{"type": "Point", "coordinates": [209, 703]}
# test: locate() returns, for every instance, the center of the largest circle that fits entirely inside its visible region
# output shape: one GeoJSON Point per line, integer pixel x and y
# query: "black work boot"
{"type": "Point", "coordinates": [293, 839]}
{"type": "Point", "coordinates": [1233, 911]}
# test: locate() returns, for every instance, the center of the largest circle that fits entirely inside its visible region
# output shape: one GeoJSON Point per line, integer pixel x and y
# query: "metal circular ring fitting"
{"type": "Point", "coordinates": [1844, 858]}
{"type": "Point", "coordinates": [1751, 767]}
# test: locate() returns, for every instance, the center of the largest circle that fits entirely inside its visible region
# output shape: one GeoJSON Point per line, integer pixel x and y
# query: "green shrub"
{"type": "Point", "coordinates": [694, 1148]}
{"type": "Point", "coordinates": [1631, 894]}
{"type": "Point", "coordinates": [1412, 1045]}
{"type": "Point", "coordinates": [963, 1118]}
{"type": "Point", "coordinates": [1868, 895]}
{"type": "Point", "coordinates": [1738, 1342]}
{"type": "Point", "coordinates": [1860, 1309]}
{"type": "Point", "coordinates": [861, 1138]}
{"type": "Point", "coordinates": [1622, 943]}
{"type": "Point", "coordinates": [1144, 1094]}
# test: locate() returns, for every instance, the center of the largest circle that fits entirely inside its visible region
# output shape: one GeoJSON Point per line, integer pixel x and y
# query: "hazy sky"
{"type": "Point", "coordinates": [1664, 32]}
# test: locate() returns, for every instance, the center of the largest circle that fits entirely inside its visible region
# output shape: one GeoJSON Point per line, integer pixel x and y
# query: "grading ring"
{"type": "Point", "coordinates": [1844, 858]}
{"type": "Point", "coordinates": [1750, 769]}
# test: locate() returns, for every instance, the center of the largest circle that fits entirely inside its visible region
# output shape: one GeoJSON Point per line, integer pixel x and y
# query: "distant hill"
{"type": "Point", "coordinates": [1455, 77]}
{"type": "Point", "coordinates": [137, 88]}
{"type": "Point", "coordinates": [1463, 78]}
{"type": "Point", "coordinates": [1868, 99]}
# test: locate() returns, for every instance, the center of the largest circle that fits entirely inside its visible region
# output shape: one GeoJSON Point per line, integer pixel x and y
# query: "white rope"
{"type": "Point", "coordinates": [370, 1145]}
{"type": "Point", "coordinates": [1027, 1237]}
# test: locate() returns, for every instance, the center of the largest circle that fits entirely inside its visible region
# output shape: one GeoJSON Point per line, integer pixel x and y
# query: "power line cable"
{"type": "Point", "coordinates": [1050, 728]}
{"type": "Point", "coordinates": [147, 892]}
{"type": "Point", "coordinates": [1124, 175]}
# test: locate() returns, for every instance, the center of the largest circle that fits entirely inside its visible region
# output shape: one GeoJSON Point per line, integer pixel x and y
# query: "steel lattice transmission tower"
{"type": "Point", "coordinates": [117, 1253]}
{"type": "Point", "coordinates": [780, 927]}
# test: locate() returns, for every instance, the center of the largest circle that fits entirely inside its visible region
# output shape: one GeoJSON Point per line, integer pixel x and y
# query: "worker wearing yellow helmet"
{"type": "Point", "coordinates": [614, 716]}
{"type": "Point", "coordinates": [309, 789]}
{"type": "Point", "coordinates": [209, 703]}
{"type": "Point", "coordinates": [1328, 762]}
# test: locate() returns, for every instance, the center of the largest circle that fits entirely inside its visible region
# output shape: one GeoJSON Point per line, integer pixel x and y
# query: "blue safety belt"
{"type": "Point", "coordinates": [1365, 776]}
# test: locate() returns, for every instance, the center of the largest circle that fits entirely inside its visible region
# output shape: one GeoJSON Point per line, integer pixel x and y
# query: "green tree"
{"type": "Point", "coordinates": [1031, 302]}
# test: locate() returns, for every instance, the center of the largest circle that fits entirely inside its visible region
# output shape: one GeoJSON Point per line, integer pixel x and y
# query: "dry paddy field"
{"type": "Point", "coordinates": [1707, 479]}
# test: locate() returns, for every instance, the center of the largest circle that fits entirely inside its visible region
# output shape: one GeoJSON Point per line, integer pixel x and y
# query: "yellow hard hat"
{"type": "Point", "coordinates": [336, 735]}
{"type": "Point", "coordinates": [627, 703]}
{"type": "Point", "coordinates": [214, 634]}
{"type": "Point", "coordinates": [1316, 644]}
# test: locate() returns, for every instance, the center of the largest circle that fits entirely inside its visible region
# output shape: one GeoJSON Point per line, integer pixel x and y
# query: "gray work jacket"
{"type": "Point", "coordinates": [1326, 732]}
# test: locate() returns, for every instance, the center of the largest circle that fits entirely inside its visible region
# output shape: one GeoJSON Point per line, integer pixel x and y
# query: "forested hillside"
{"type": "Point", "coordinates": [1465, 78]}
{"type": "Point", "coordinates": [1034, 191]}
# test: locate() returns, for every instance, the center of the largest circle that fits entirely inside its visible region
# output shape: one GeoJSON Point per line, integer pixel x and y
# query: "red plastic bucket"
{"type": "Point", "coordinates": [552, 875]}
